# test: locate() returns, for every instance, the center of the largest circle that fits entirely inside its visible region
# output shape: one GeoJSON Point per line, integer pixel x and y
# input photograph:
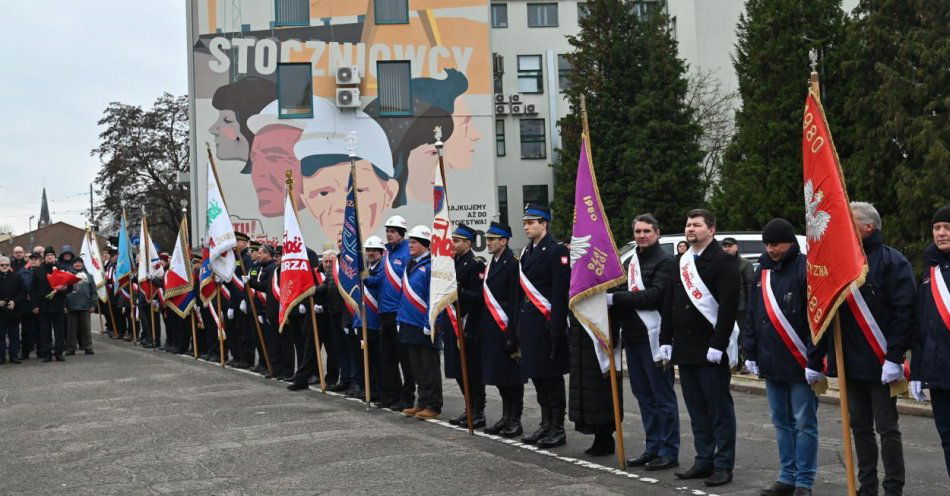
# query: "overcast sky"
{"type": "Point", "coordinates": [63, 62]}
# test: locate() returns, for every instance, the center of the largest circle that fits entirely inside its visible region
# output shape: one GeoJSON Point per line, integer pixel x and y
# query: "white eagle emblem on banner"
{"type": "Point", "coordinates": [816, 221]}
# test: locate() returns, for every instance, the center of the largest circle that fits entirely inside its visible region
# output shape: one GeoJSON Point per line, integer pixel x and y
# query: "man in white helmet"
{"type": "Point", "coordinates": [373, 248]}
{"type": "Point", "coordinates": [414, 330]}
{"type": "Point", "coordinates": [396, 392]}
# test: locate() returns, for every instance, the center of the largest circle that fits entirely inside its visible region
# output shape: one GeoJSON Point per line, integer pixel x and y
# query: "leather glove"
{"type": "Point", "coordinates": [813, 376]}
{"type": "Point", "coordinates": [752, 366]}
{"type": "Point", "coordinates": [610, 299]}
{"type": "Point", "coordinates": [301, 309]}
{"type": "Point", "coordinates": [713, 355]}
{"type": "Point", "coordinates": [230, 314]}
{"type": "Point", "coordinates": [511, 343]}
{"type": "Point", "coordinates": [243, 306]}
{"type": "Point", "coordinates": [666, 352]}
{"type": "Point", "coordinates": [917, 391]}
{"type": "Point", "coordinates": [891, 372]}
{"type": "Point", "coordinates": [317, 309]}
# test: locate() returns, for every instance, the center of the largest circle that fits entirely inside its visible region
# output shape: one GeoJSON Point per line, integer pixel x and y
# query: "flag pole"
{"type": "Point", "coordinates": [148, 262]}
{"type": "Point", "coordinates": [313, 316]}
{"type": "Point", "coordinates": [217, 299]}
{"type": "Point", "coordinates": [460, 339]}
{"type": "Point", "coordinates": [95, 246]}
{"type": "Point", "coordinates": [194, 334]}
{"type": "Point", "coordinates": [128, 282]}
{"type": "Point", "coordinates": [614, 394]}
{"type": "Point", "coordinates": [351, 148]}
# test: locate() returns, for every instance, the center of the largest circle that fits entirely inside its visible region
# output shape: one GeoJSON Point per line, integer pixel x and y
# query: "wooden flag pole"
{"type": "Point", "coordinates": [845, 414]}
{"type": "Point", "coordinates": [217, 298]}
{"type": "Point", "coordinates": [194, 334]}
{"type": "Point", "coordinates": [115, 330]}
{"type": "Point", "coordinates": [313, 316]}
{"type": "Point", "coordinates": [351, 148]}
{"type": "Point", "coordinates": [151, 310]}
{"type": "Point", "coordinates": [460, 338]}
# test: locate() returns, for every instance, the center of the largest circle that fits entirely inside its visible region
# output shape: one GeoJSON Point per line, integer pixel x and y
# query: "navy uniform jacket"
{"type": "Point", "coordinates": [930, 361]}
{"type": "Point", "coordinates": [373, 286]}
{"type": "Point", "coordinates": [544, 342]}
{"type": "Point", "coordinates": [469, 272]}
{"type": "Point", "coordinates": [498, 368]}
{"type": "Point", "coordinates": [890, 293]}
{"type": "Point", "coordinates": [262, 283]}
{"type": "Point", "coordinates": [760, 340]}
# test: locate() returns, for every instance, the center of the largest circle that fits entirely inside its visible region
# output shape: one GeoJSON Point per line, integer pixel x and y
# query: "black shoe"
{"type": "Point", "coordinates": [3, 361]}
{"type": "Point", "coordinates": [478, 421]}
{"type": "Point", "coordinates": [662, 463]}
{"type": "Point", "coordinates": [719, 477]}
{"type": "Point", "coordinates": [555, 437]}
{"type": "Point", "coordinates": [778, 488]}
{"type": "Point", "coordinates": [47, 359]}
{"type": "Point", "coordinates": [59, 358]}
{"type": "Point", "coordinates": [15, 360]}
{"type": "Point", "coordinates": [400, 406]}
{"type": "Point", "coordinates": [336, 388]}
{"type": "Point", "coordinates": [25, 356]}
{"type": "Point", "coordinates": [357, 393]}
{"type": "Point", "coordinates": [257, 369]}
{"type": "Point", "coordinates": [802, 491]}
{"type": "Point", "coordinates": [296, 386]}
{"type": "Point", "coordinates": [543, 428]}
{"type": "Point", "coordinates": [70, 353]}
{"type": "Point", "coordinates": [641, 460]}
{"type": "Point", "coordinates": [513, 429]}
{"type": "Point", "coordinates": [603, 445]}
{"type": "Point", "coordinates": [497, 427]}
{"type": "Point", "coordinates": [287, 378]}
{"type": "Point", "coordinates": [461, 420]}
{"type": "Point", "coordinates": [241, 365]}
{"type": "Point", "coordinates": [695, 473]}
{"type": "Point", "coordinates": [89, 352]}
{"type": "Point", "coordinates": [386, 403]}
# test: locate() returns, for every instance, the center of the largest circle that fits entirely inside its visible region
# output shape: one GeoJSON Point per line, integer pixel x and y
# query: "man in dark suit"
{"type": "Point", "coordinates": [697, 326]}
{"type": "Point", "coordinates": [542, 323]}
{"type": "Point", "coordinates": [50, 305]}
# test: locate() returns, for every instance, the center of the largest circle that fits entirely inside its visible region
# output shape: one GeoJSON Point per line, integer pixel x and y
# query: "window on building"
{"type": "Point", "coordinates": [529, 74]}
{"type": "Point", "coordinates": [582, 11]}
{"type": "Point", "coordinates": [291, 13]}
{"type": "Point", "coordinates": [499, 138]}
{"type": "Point", "coordinates": [533, 143]}
{"type": "Point", "coordinates": [395, 95]}
{"type": "Point", "coordinates": [542, 15]}
{"type": "Point", "coordinates": [503, 204]}
{"type": "Point", "coordinates": [647, 9]}
{"type": "Point", "coordinates": [498, 87]}
{"type": "Point", "coordinates": [294, 90]}
{"type": "Point", "coordinates": [564, 69]}
{"type": "Point", "coordinates": [391, 11]}
{"type": "Point", "coordinates": [499, 15]}
{"type": "Point", "coordinates": [535, 194]}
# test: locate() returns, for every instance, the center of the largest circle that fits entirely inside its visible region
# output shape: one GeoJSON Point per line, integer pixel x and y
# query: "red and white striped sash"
{"type": "Point", "coordinates": [370, 302]}
{"type": "Point", "coordinates": [414, 298]}
{"type": "Point", "coordinates": [938, 288]}
{"type": "Point", "coordinates": [780, 323]}
{"type": "Point", "coordinates": [394, 280]}
{"type": "Point", "coordinates": [869, 327]}
{"type": "Point", "coordinates": [494, 308]}
{"type": "Point", "coordinates": [275, 285]}
{"type": "Point", "coordinates": [454, 319]}
{"type": "Point", "coordinates": [535, 296]}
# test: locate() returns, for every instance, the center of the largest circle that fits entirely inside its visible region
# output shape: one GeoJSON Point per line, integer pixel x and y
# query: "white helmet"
{"type": "Point", "coordinates": [373, 243]}
{"type": "Point", "coordinates": [396, 221]}
{"type": "Point", "coordinates": [420, 232]}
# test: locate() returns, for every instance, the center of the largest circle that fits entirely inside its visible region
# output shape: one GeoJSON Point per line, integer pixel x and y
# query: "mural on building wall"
{"type": "Point", "coordinates": [236, 109]}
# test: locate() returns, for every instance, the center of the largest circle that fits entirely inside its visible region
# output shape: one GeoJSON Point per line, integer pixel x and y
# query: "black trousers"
{"type": "Point", "coordinates": [390, 382]}
{"type": "Point", "coordinates": [426, 371]}
{"type": "Point", "coordinates": [550, 393]}
{"type": "Point", "coordinates": [873, 409]}
{"type": "Point", "coordinates": [307, 358]}
{"type": "Point", "coordinates": [328, 341]}
{"type": "Point", "coordinates": [940, 399]}
{"type": "Point", "coordinates": [29, 329]}
{"type": "Point", "coordinates": [372, 336]}
{"type": "Point", "coordinates": [712, 414]}
{"type": "Point", "coordinates": [52, 334]}
{"type": "Point", "coordinates": [477, 389]}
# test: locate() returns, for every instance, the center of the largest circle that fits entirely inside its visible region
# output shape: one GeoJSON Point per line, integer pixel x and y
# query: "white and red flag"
{"type": "Point", "coordinates": [296, 279]}
{"type": "Point", "coordinates": [89, 254]}
{"type": "Point", "coordinates": [443, 286]}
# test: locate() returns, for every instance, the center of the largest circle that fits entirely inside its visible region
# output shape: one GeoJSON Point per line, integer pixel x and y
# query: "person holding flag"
{"type": "Point", "coordinates": [373, 249]}
{"type": "Point", "coordinates": [122, 275]}
{"type": "Point", "coordinates": [541, 321]}
{"type": "Point", "coordinates": [497, 336]}
{"type": "Point", "coordinates": [930, 362]}
{"type": "Point", "coordinates": [267, 313]}
{"type": "Point", "coordinates": [179, 282]}
{"type": "Point", "coordinates": [396, 392]}
{"type": "Point", "coordinates": [776, 342]}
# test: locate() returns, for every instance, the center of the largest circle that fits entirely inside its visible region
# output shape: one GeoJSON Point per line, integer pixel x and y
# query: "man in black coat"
{"type": "Point", "coordinates": [876, 347]}
{"type": "Point", "coordinates": [12, 297]}
{"type": "Point", "coordinates": [469, 273]}
{"type": "Point", "coordinates": [637, 311]}
{"type": "Point", "coordinates": [542, 323]}
{"type": "Point", "coordinates": [267, 314]}
{"type": "Point", "coordinates": [698, 322]}
{"type": "Point", "coordinates": [50, 305]}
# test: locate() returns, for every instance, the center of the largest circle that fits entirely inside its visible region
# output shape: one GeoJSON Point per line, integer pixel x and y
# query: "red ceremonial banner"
{"type": "Point", "coordinates": [836, 257]}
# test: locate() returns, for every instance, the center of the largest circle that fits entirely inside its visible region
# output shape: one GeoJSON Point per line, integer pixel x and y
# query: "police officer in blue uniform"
{"type": "Point", "coordinates": [497, 336]}
{"type": "Point", "coordinates": [542, 323]}
{"type": "Point", "coordinates": [469, 272]}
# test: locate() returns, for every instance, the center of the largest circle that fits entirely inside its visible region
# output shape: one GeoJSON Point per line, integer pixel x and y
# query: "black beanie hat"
{"type": "Point", "coordinates": [779, 231]}
{"type": "Point", "coordinates": [942, 215]}
{"type": "Point", "coordinates": [49, 251]}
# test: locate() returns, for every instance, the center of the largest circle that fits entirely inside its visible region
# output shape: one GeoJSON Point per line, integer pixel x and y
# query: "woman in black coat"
{"type": "Point", "coordinates": [591, 402]}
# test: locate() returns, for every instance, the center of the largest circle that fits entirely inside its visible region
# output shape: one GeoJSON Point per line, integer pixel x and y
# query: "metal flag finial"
{"type": "Point", "coordinates": [813, 59]}
{"type": "Point", "coordinates": [437, 132]}
{"type": "Point", "coordinates": [351, 143]}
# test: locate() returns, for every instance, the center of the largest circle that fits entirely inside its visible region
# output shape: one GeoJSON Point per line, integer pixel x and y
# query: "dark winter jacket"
{"type": "Point", "coordinates": [890, 293]}
{"type": "Point", "coordinates": [82, 295]}
{"type": "Point", "coordinates": [262, 283]}
{"type": "Point", "coordinates": [684, 326]}
{"type": "Point", "coordinates": [590, 402]}
{"type": "Point", "coordinates": [760, 340]}
{"type": "Point", "coordinates": [26, 275]}
{"type": "Point", "coordinates": [41, 288]}
{"type": "Point", "coordinates": [469, 273]}
{"type": "Point", "coordinates": [746, 281]}
{"type": "Point", "coordinates": [930, 361]}
{"type": "Point", "coordinates": [655, 269]}
{"type": "Point", "coordinates": [11, 289]}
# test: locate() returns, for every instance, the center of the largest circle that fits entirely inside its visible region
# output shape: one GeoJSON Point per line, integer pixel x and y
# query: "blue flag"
{"type": "Point", "coordinates": [123, 266]}
{"type": "Point", "coordinates": [351, 259]}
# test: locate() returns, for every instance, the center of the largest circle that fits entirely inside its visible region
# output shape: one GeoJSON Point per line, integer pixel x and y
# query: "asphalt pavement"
{"type": "Point", "coordinates": [133, 421]}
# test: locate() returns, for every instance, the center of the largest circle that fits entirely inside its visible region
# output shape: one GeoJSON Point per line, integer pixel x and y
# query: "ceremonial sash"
{"type": "Point", "coordinates": [867, 323]}
{"type": "Point", "coordinates": [780, 323]}
{"type": "Point", "coordinates": [494, 308]}
{"type": "Point", "coordinates": [414, 298]}
{"type": "Point", "coordinates": [275, 285]}
{"type": "Point", "coordinates": [454, 319]}
{"type": "Point", "coordinates": [336, 279]}
{"type": "Point", "coordinates": [320, 278]}
{"type": "Point", "coordinates": [535, 296]}
{"type": "Point", "coordinates": [703, 300]}
{"type": "Point", "coordinates": [391, 275]}
{"type": "Point", "coordinates": [238, 283]}
{"type": "Point", "coordinates": [225, 292]}
{"type": "Point", "coordinates": [217, 320]}
{"type": "Point", "coordinates": [938, 287]}
{"type": "Point", "coordinates": [370, 302]}
{"type": "Point", "coordinates": [650, 318]}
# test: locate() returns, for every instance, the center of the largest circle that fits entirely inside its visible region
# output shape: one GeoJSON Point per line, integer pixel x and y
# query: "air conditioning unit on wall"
{"type": "Point", "coordinates": [501, 109]}
{"type": "Point", "coordinates": [348, 97]}
{"type": "Point", "coordinates": [517, 108]}
{"type": "Point", "coordinates": [348, 75]}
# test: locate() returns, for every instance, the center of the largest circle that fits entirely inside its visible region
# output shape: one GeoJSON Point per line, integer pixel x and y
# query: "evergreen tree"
{"type": "Point", "coordinates": [762, 168]}
{"type": "Point", "coordinates": [644, 140]}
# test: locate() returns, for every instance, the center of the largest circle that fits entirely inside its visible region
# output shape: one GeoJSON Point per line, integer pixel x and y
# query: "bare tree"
{"type": "Point", "coordinates": [714, 112]}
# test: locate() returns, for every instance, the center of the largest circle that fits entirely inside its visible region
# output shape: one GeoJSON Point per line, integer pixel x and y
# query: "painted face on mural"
{"type": "Point", "coordinates": [460, 147]}
{"type": "Point", "coordinates": [272, 154]}
{"type": "Point", "coordinates": [228, 140]}
{"type": "Point", "coordinates": [324, 195]}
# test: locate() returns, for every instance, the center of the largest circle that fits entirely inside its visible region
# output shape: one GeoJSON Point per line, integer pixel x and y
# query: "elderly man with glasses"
{"type": "Point", "coordinates": [18, 261]}
{"type": "Point", "coordinates": [12, 295]}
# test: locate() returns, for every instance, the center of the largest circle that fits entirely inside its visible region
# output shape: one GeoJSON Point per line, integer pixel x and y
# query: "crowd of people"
{"type": "Point", "coordinates": [696, 311]}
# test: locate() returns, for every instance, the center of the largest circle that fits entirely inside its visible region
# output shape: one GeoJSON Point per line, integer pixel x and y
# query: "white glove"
{"type": "Point", "coordinates": [230, 314]}
{"type": "Point", "coordinates": [666, 352]}
{"type": "Point", "coordinates": [813, 376]}
{"type": "Point", "coordinates": [891, 372]}
{"type": "Point", "coordinates": [752, 366]}
{"type": "Point", "coordinates": [317, 309]}
{"type": "Point", "coordinates": [610, 299]}
{"type": "Point", "coordinates": [245, 278]}
{"type": "Point", "coordinates": [301, 309]}
{"type": "Point", "coordinates": [260, 318]}
{"type": "Point", "coordinates": [713, 355]}
{"type": "Point", "coordinates": [243, 306]}
{"type": "Point", "coordinates": [426, 331]}
{"type": "Point", "coordinates": [917, 391]}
